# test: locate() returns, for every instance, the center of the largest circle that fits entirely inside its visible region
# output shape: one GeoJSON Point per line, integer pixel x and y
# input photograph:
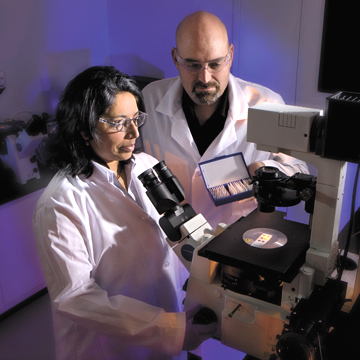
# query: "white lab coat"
{"type": "Point", "coordinates": [167, 136]}
{"type": "Point", "coordinates": [112, 278]}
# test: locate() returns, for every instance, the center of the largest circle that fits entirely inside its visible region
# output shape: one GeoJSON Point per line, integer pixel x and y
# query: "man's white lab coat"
{"type": "Point", "coordinates": [166, 136]}
{"type": "Point", "coordinates": [113, 281]}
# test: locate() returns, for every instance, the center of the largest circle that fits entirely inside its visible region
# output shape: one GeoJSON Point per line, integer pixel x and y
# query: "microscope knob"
{"type": "Point", "coordinates": [306, 194]}
{"type": "Point", "coordinates": [205, 316]}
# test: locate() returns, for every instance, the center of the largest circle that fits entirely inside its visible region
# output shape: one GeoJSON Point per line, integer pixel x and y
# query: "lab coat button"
{"type": "Point", "coordinates": [167, 264]}
{"type": "Point", "coordinates": [198, 172]}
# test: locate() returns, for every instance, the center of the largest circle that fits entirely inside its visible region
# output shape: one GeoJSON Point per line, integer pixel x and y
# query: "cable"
{"type": "Point", "coordinates": [320, 349]}
{"type": "Point", "coordinates": [22, 112]}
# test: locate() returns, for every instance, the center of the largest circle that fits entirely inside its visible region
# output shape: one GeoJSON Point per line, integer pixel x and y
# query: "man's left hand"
{"type": "Point", "coordinates": [254, 166]}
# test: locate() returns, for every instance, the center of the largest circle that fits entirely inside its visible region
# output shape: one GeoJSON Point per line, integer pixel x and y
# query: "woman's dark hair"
{"type": "Point", "coordinates": [87, 97]}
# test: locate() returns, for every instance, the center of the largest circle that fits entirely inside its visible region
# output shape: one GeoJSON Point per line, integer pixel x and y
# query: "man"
{"type": "Point", "coordinates": [202, 114]}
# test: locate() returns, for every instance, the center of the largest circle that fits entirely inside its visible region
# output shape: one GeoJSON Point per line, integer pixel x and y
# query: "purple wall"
{"type": "Point", "coordinates": [43, 44]}
{"type": "Point", "coordinates": [142, 33]}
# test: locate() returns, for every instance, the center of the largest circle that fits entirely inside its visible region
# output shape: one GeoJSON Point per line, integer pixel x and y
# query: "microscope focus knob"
{"type": "Point", "coordinates": [205, 316]}
{"type": "Point", "coordinates": [306, 194]}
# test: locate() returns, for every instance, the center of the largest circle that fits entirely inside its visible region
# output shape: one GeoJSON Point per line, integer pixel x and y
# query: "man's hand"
{"type": "Point", "coordinates": [254, 166]}
{"type": "Point", "coordinates": [243, 201]}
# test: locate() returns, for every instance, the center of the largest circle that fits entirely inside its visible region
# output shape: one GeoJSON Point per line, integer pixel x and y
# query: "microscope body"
{"type": "Point", "coordinates": [287, 129]}
{"type": "Point", "coordinates": [246, 321]}
{"type": "Point", "coordinates": [273, 301]}
{"type": "Point", "coordinates": [255, 324]}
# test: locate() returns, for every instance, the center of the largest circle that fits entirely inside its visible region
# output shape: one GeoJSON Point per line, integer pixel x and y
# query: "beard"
{"type": "Point", "coordinates": [205, 97]}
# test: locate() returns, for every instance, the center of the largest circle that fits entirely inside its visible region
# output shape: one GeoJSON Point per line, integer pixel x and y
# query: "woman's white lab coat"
{"type": "Point", "coordinates": [167, 136]}
{"type": "Point", "coordinates": [113, 280]}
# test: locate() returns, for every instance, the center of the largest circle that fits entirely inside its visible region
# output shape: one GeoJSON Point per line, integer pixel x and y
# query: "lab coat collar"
{"type": "Point", "coordinates": [238, 104]}
{"type": "Point", "coordinates": [105, 174]}
{"type": "Point", "coordinates": [170, 104]}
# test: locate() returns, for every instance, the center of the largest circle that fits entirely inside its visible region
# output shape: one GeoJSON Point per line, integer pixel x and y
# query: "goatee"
{"type": "Point", "coordinates": [205, 97]}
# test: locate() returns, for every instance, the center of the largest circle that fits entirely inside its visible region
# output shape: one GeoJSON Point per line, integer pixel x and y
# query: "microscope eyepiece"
{"type": "Point", "coordinates": [268, 173]}
{"type": "Point", "coordinates": [149, 179]}
{"type": "Point", "coordinates": [163, 171]}
{"type": "Point", "coordinates": [166, 193]}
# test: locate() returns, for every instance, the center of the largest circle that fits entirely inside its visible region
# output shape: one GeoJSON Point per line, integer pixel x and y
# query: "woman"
{"type": "Point", "coordinates": [113, 281]}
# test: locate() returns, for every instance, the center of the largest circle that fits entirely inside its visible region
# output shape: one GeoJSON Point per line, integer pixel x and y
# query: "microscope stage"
{"type": "Point", "coordinates": [229, 248]}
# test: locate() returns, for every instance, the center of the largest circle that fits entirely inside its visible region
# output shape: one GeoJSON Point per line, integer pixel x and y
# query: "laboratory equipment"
{"type": "Point", "coordinates": [267, 279]}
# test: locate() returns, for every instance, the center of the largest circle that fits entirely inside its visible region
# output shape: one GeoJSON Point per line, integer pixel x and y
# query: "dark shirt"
{"type": "Point", "coordinates": [204, 135]}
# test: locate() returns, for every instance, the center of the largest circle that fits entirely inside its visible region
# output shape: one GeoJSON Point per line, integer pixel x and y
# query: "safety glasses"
{"type": "Point", "coordinates": [123, 124]}
{"type": "Point", "coordinates": [195, 67]}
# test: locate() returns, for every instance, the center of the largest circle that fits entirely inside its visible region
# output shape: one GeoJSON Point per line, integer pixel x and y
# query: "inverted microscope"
{"type": "Point", "coordinates": [269, 281]}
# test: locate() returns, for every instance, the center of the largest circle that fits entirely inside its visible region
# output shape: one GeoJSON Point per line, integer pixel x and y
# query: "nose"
{"type": "Point", "coordinates": [132, 131]}
{"type": "Point", "coordinates": [204, 75]}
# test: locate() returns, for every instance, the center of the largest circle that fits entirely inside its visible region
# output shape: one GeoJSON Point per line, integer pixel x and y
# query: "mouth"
{"type": "Point", "coordinates": [201, 87]}
{"type": "Point", "coordinates": [128, 148]}
{"type": "Point", "coordinates": [207, 89]}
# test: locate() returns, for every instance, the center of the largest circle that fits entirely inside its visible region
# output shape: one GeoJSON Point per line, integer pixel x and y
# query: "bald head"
{"type": "Point", "coordinates": [201, 29]}
{"type": "Point", "coordinates": [201, 38]}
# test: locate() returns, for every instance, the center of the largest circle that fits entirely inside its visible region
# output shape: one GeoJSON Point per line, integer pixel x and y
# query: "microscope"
{"type": "Point", "coordinates": [185, 230]}
{"type": "Point", "coordinates": [269, 280]}
{"type": "Point", "coordinates": [18, 147]}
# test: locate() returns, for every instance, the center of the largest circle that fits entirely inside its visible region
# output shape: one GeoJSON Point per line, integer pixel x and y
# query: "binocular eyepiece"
{"type": "Point", "coordinates": [149, 179]}
{"type": "Point", "coordinates": [166, 193]}
{"type": "Point", "coordinates": [163, 188]}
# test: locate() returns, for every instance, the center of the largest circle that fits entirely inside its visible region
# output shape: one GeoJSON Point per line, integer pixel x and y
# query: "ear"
{"type": "Point", "coordinates": [85, 136]}
{"type": "Point", "coordinates": [173, 55]}
{"type": "Point", "coordinates": [232, 54]}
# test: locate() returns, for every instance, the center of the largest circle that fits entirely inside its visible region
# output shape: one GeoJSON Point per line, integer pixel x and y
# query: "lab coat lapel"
{"type": "Point", "coordinates": [238, 103]}
{"type": "Point", "coordinates": [106, 176]}
{"type": "Point", "coordinates": [181, 133]}
{"type": "Point", "coordinates": [224, 140]}
{"type": "Point", "coordinates": [237, 112]}
{"type": "Point", "coordinates": [171, 102]}
{"type": "Point", "coordinates": [170, 105]}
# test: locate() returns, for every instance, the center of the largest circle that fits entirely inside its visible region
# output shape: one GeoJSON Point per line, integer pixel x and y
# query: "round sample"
{"type": "Point", "coordinates": [264, 238]}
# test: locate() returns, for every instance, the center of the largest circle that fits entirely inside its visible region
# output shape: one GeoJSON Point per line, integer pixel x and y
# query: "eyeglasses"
{"type": "Point", "coordinates": [195, 67]}
{"type": "Point", "coordinates": [123, 124]}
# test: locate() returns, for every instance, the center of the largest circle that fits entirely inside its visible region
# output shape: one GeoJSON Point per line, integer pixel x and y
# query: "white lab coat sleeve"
{"type": "Point", "coordinates": [287, 164]}
{"type": "Point", "coordinates": [60, 235]}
